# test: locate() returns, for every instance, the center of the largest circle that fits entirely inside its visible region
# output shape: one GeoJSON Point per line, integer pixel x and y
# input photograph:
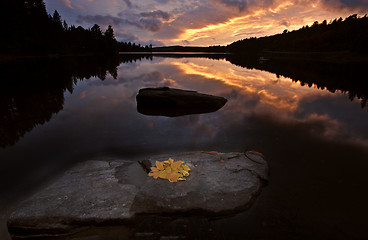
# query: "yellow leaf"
{"type": "Point", "coordinates": [154, 174]}
{"type": "Point", "coordinates": [159, 165]}
{"type": "Point", "coordinates": [176, 165]}
{"type": "Point", "coordinates": [185, 173]}
{"type": "Point", "coordinates": [170, 169]}
{"type": "Point", "coordinates": [185, 168]}
{"type": "Point", "coordinates": [173, 177]}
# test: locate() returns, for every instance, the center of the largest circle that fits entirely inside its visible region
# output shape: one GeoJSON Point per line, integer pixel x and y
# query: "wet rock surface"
{"type": "Point", "coordinates": [172, 102]}
{"type": "Point", "coordinates": [117, 192]}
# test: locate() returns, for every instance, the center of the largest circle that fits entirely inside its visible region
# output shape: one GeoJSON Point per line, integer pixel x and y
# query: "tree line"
{"type": "Point", "coordinates": [350, 34]}
{"type": "Point", "coordinates": [27, 29]}
{"type": "Point", "coordinates": [132, 47]}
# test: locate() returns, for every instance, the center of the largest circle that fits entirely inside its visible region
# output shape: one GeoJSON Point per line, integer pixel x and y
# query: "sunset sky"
{"type": "Point", "coordinates": [200, 22]}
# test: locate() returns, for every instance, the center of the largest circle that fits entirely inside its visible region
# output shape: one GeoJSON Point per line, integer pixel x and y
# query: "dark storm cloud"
{"type": "Point", "coordinates": [156, 14]}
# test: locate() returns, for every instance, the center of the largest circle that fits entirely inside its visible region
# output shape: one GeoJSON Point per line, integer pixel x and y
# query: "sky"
{"type": "Point", "coordinates": [200, 22]}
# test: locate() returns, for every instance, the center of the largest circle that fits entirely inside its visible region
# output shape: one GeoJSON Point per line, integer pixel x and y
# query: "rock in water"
{"type": "Point", "coordinates": [113, 192]}
{"type": "Point", "coordinates": [172, 102]}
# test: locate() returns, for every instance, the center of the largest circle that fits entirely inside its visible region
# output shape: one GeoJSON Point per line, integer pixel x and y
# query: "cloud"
{"type": "Point", "coordinates": [156, 14]}
{"type": "Point", "coordinates": [125, 37]}
{"type": "Point", "coordinates": [197, 17]}
{"type": "Point", "coordinates": [128, 3]}
{"type": "Point", "coordinates": [357, 5]}
{"type": "Point", "coordinates": [284, 23]}
{"type": "Point", "coordinates": [243, 5]}
{"type": "Point", "coordinates": [102, 20]}
{"type": "Point", "coordinates": [68, 3]}
{"type": "Point", "coordinates": [162, 1]}
{"type": "Point", "coordinates": [240, 4]}
{"type": "Point", "coordinates": [150, 24]}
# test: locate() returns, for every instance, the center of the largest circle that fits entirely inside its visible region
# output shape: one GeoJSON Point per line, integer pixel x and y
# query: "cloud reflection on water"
{"type": "Point", "coordinates": [99, 118]}
{"type": "Point", "coordinates": [296, 127]}
{"type": "Point", "coordinates": [251, 94]}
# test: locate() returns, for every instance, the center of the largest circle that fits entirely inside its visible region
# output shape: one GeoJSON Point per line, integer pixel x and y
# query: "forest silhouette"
{"type": "Point", "coordinates": [27, 29]}
{"type": "Point", "coordinates": [350, 35]}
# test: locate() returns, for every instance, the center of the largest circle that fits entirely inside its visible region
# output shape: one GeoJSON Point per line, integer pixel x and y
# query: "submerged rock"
{"type": "Point", "coordinates": [115, 192]}
{"type": "Point", "coordinates": [172, 102]}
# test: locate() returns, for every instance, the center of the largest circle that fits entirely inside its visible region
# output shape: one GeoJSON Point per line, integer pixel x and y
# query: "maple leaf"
{"type": "Point", "coordinates": [170, 169]}
{"type": "Point", "coordinates": [184, 169]}
{"type": "Point", "coordinates": [154, 172]}
{"type": "Point", "coordinates": [159, 165]}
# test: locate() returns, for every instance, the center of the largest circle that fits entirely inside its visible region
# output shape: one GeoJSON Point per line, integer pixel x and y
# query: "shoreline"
{"type": "Point", "coordinates": [341, 57]}
{"type": "Point", "coordinates": [332, 57]}
{"type": "Point", "coordinates": [4, 58]}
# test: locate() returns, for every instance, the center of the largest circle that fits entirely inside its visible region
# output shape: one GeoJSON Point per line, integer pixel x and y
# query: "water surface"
{"type": "Point", "coordinates": [311, 127]}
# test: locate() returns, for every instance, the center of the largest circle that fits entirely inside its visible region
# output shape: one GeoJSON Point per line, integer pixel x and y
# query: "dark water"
{"type": "Point", "coordinates": [308, 119]}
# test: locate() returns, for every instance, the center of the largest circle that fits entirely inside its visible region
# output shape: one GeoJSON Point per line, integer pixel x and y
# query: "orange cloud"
{"type": "Point", "coordinates": [259, 22]}
{"type": "Point", "coordinates": [68, 4]}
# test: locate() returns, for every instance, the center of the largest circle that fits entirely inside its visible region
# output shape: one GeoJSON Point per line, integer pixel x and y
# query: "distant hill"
{"type": "Point", "coordinates": [350, 35]}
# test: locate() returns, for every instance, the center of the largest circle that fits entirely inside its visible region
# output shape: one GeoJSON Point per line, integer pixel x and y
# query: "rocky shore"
{"type": "Point", "coordinates": [117, 192]}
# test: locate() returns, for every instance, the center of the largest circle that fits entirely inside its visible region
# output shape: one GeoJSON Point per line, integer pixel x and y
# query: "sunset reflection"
{"type": "Point", "coordinates": [281, 92]}
{"type": "Point", "coordinates": [308, 135]}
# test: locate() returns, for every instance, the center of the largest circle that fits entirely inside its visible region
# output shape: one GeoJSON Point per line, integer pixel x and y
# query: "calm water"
{"type": "Point", "coordinates": [310, 125]}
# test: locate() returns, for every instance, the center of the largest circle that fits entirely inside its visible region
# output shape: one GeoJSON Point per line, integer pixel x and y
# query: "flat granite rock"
{"type": "Point", "coordinates": [112, 192]}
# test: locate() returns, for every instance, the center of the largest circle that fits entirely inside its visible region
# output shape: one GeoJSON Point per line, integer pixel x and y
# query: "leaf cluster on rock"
{"type": "Point", "coordinates": [170, 170]}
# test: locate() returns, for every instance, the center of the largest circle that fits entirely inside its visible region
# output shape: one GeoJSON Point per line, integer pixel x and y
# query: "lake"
{"type": "Point", "coordinates": [309, 120]}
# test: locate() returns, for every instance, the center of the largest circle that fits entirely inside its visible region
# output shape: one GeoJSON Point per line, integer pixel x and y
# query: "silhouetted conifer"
{"type": "Point", "coordinates": [350, 34]}
{"type": "Point", "coordinates": [27, 29]}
